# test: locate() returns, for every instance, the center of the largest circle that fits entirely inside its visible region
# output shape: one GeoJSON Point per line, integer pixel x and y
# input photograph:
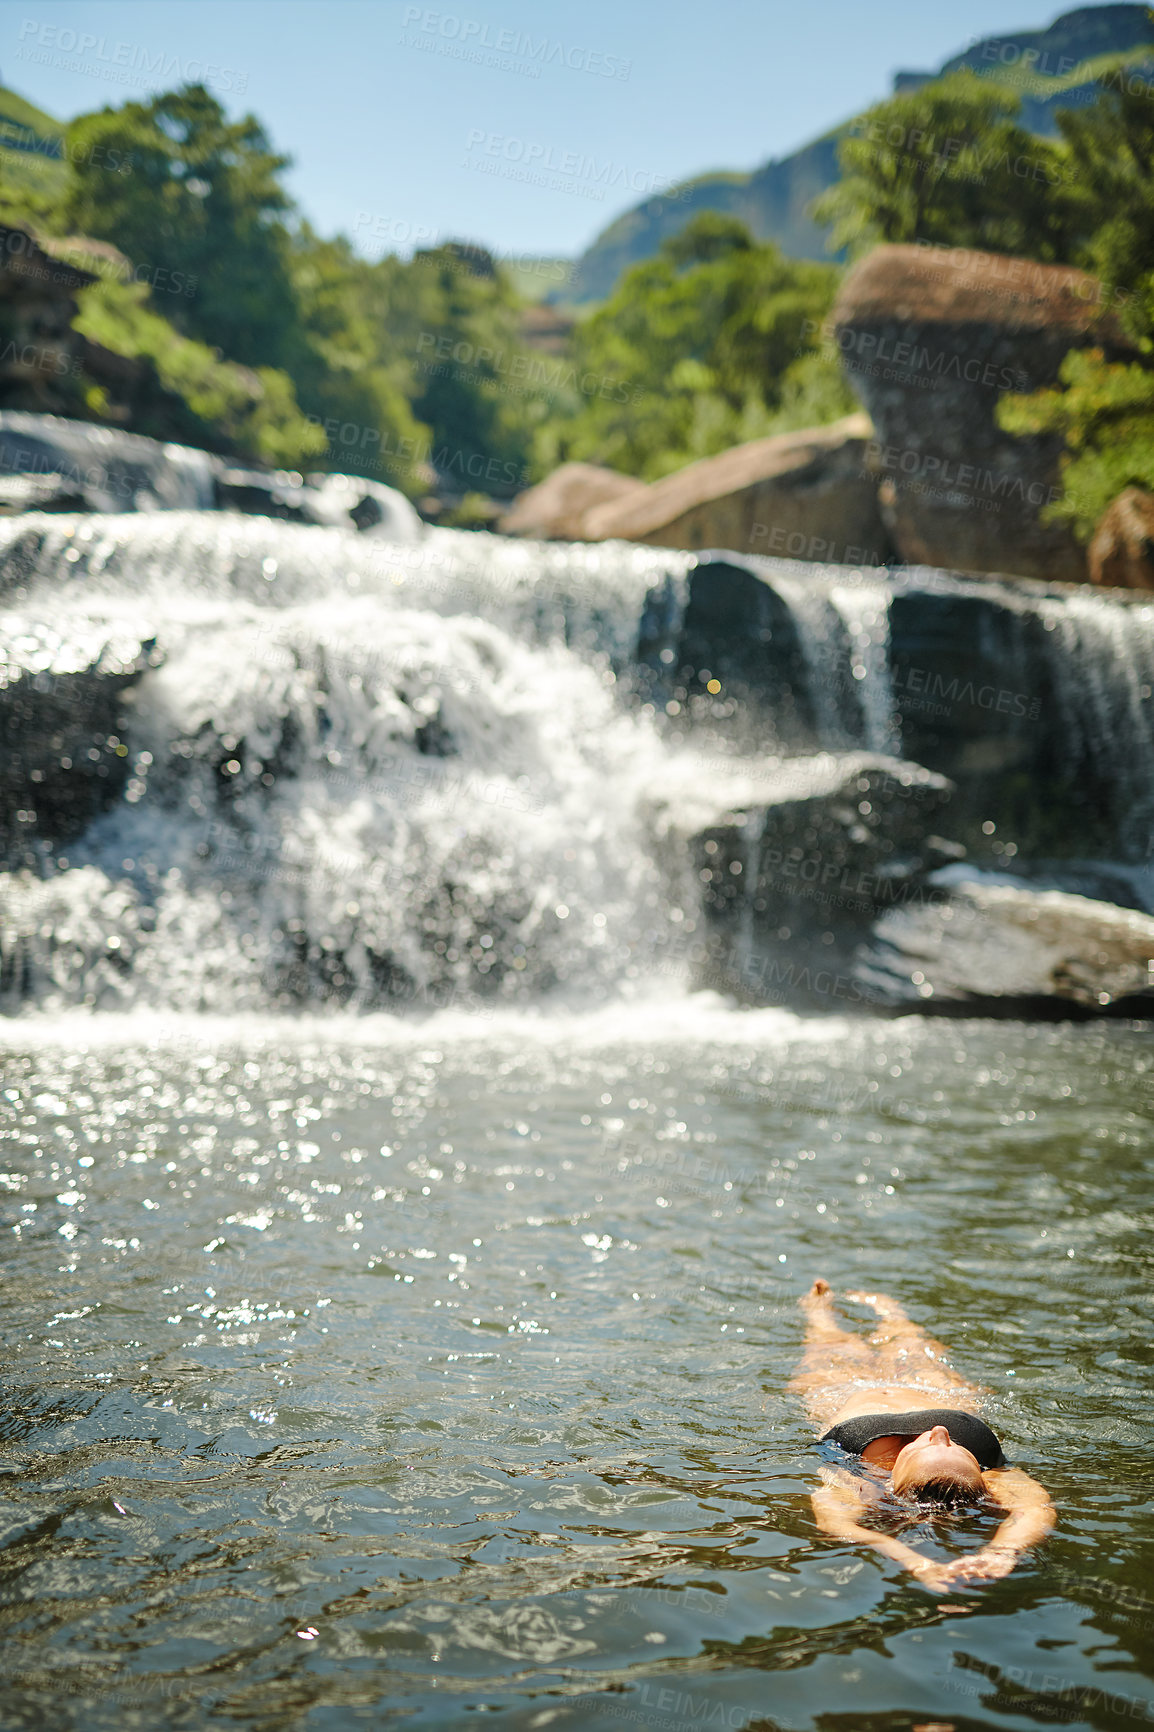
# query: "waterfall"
{"type": "Point", "coordinates": [842, 621]}
{"type": "Point", "coordinates": [1102, 662]}
{"type": "Point", "coordinates": [359, 774]}
{"type": "Point", "coordinates": [277, 765]}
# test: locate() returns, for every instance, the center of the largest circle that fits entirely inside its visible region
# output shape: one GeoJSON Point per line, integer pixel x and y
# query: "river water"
{"type": "Point", "coordinates": [371, 1368]}
{"type": "Point", "coordinates": [402, 1258]}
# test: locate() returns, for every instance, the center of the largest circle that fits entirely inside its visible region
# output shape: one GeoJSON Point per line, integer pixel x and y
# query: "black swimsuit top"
{"type": "Point", "coordinates": [854, 1434]}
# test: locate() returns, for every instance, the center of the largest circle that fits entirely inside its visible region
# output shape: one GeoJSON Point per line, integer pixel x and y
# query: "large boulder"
{"type": "Point", "coordinates": [831, 889]}
{"type": "Point", "coordinates": [931, 338]}
{"type": "Point", "coordinates": [983, 947]}
{"type": "Point", "coordinates": [87, 467]}
{"type": "Point", "coordinates": [806, 495]}
{"type": "Point", "coordinates": [1121, 553]}
{"type": "Point", "coordinates": [555, 510]}
{"type": "Point", "coordinates": [793, 881]}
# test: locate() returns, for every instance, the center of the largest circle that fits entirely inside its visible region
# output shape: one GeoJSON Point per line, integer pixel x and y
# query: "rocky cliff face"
{"type": "Point", "coordinates": [931, 339]}
{"type": "Point", "coordinates": [39, 365]}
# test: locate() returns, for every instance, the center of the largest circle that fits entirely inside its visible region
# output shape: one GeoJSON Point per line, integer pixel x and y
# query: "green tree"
{"type": "Point", "coordinates": [710, 344]}
{"type": "Point", "coordinates": [1104, 414]}
{"type": "Point", "coordinates": [200, 214]}
{"type": "Point", "coordinates": [949, 165]}
{"type": "Point", "coordinates": [348, 366]}
{"type": "Point", "coordinates": [1105, 417]}
{"type": "Point", "coordinates": [1111, 149]}
{"type": "Point", "coordinates": [475, 387]}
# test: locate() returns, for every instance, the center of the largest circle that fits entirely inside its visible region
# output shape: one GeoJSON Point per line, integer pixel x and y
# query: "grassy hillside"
{"type": "Point", "coordinates": [1049, 69]}
{"type": "Point", "coordinates": [32, 168]}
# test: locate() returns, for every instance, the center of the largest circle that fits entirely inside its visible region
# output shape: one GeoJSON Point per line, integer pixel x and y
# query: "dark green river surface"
{"type": "Point", "coordinates": [370, 1372]}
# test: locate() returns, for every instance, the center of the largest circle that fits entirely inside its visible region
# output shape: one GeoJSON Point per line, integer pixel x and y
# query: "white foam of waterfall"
{"type": "Point", "coordinates": [1102, 668]}
{"type": "Point", "coordinates": [590, 596]}
{"type": "Point", "coordinates": [863, 605]}
{"type": "Point", "coordinates": [359, 803]}
{"type": "Point", "coordinates": [366, 774]}
{"type": "Point", "coordinates": [842, 623]}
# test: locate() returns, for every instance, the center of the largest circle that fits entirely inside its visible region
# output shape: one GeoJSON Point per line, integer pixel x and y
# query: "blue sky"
{"type": "Point", "coordinates": [409, 124]}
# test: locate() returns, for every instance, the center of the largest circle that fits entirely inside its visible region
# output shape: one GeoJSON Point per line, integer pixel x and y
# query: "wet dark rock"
{"type": "Point", "coordinates": [1040, 733]}
{"type": "Point", "coordinates": [735, 628]}
{"type": "Point", "coordinates": [792, 887]}
{"type": "Point", "coordinates": [847, 897]}
{"type": "Point", "coordinates": [64, 757]}
{"type": "Point", "coordinates": [258, 494]}
{"type": "Point", "coordinates": [105, 468]}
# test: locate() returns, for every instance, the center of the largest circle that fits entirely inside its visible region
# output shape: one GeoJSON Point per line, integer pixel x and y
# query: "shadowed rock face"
{"type": "Point", "coordinates": [806, 495]}
{"type": "Point", "coordinates": [1121, 553]}
{"type": "Point", "coordinates": [931, 339]}
{"type": "Point", "coordinates": [792, 887]}
{"type": "Point", "coordinates": [62, 724]}
{"type": "Point", "coordinates": [1032, 700]}
{"type": "Point", "coordinates": [845, 896]}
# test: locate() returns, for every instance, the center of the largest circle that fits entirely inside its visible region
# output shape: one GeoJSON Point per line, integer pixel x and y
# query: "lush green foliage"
{"type": "Point", "coordinates": [711, 343]}
{"type": "Point", "coordinates": [948, 165]}
{"type": "Point", "coordinates": [203, 203]}
{"type": "Point", "coordinates": [1105, 413]}
{"type": "Point", "coordinates": [230, 407]}
{"type": "Point", "coordinates": [1111, 149]}
{"type": "Point", "coordinates": [281, 345]}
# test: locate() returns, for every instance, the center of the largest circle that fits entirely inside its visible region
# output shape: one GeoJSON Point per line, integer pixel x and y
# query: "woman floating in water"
{"type": "Point", "coordinates": [872, 1400]}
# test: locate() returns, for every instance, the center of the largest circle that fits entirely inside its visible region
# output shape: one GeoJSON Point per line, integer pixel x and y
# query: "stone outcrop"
{"type": "Point", "coordinates": [930, 339]}
{"type": "Point", "coordinates": [984, 947]}
{"type": "Point", "coordinates": [51, 463]}
{"type": "Point", "coordinates": [838, 893]}
{"type": "Point", "coordinates": [1033, 709]}
{"type": "Point", "coordinates": [38, 361]}
{"type": "Point", "coordinates": [103, 468]}
{"type": "Point", "coordinates": [807, 495]}
{"type": "Point", "coordinates": [793, 885]}
{"type": "Point", "coordinates": [555, 510]}
{"type": "Point", "coordinates": [62, 704]}
{"type": "Point", "coordinates": [1121, 553]}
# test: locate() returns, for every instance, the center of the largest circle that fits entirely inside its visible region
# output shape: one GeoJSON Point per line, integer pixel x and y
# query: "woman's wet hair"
{"type": "Point", "coordinates": [942, 1491]}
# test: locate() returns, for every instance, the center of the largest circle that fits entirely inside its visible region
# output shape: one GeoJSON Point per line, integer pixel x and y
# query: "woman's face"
{"type": "Point", "coordinates": [935, 1457]}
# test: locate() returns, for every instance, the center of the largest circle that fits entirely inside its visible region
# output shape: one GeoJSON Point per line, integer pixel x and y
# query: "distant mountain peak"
{"type": "Point", "coordinates": [1049, 68]}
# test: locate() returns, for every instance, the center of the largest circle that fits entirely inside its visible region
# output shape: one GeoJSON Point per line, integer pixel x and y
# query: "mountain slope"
{"type": "Point", "coordinates": [1049, 69]}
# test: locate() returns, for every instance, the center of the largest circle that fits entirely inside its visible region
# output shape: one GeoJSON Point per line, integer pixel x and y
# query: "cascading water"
{"type": "Point", "coordinates": [1103, 662]}
{"type": "Point", "coordinates": [364, 774]}
{"type": "Point", "coordinates": [842, 622]}
{"type": "Point", "coordinates": [347, 784]}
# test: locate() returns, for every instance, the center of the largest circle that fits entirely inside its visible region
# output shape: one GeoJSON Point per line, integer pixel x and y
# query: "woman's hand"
{"type": "Point", "coordinates": [988, 1565]}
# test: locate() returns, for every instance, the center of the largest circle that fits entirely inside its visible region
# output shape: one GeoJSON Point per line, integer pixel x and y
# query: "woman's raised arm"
{"type": "Point", "coordinates": [1031, 1517]}
{"type": "Point", "coordinates": [837, 1506]}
